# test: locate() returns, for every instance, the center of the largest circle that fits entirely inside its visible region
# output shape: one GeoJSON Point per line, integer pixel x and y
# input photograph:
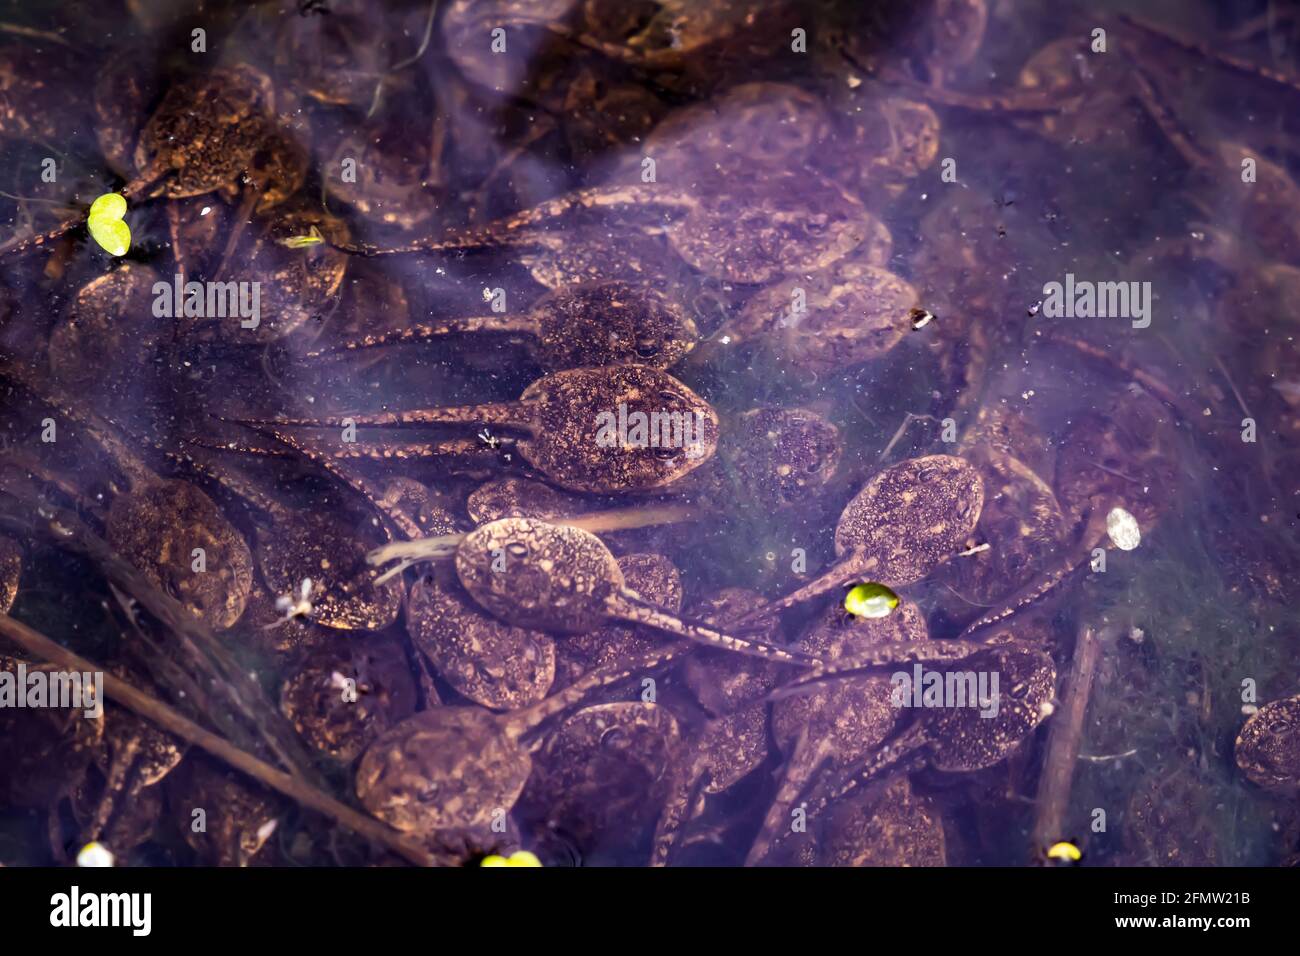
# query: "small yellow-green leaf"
{"type": "Point", "coordinates": [108, 207]}
{"type": "Point", "coordinates": [106, 225]}
{"type": "Point", "coordinates": [870, 600]}
{"type": "Point", "coordinates": [114, 236]}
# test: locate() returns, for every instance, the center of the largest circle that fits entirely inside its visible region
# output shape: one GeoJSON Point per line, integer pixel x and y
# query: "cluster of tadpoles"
{"type": "Point", "coordinates": [529, 616]}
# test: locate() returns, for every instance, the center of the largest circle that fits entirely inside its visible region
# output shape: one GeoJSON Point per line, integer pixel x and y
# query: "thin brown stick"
{"type": "Point", "coordinates": [199, 646]}
{"type": "Point", "coordinates": [1227, 60]}
{"type": "Point", "coordinates": [160, 714]}
{"type": "Point", "coordinates": [1063, 743]}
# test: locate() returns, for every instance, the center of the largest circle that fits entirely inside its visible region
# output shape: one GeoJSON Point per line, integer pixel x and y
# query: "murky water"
{"type": "Point", "coordinates": [1053, 241]}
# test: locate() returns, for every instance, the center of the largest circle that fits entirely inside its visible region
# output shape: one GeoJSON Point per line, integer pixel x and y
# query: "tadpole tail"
{"type": "Point", "coordinates": [688, 778]}
{"type": "Point", "coordinates": [801, 767]}
{"type": "Point", "coordinates": [904, 750]}
{"type": "Point", "coordinates": [429, 331]}
{"type": "Point", "coordinates": [632, 609]}
{"type": "Point", "coordinates": [891, 655]}
{"type": "Point", "coordinates": [841, 572]}
{"type": "Point", "coordinates": [529, 717]}
{"type": "Point", "coordinates": [506, 414]}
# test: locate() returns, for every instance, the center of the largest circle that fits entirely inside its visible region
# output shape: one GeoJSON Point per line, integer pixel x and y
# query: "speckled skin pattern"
{"type": "Point", "coordinates": [888, 827]}
{"type": "Point", "coordinates": [608, 323]}
{"type": "Point", "coordinates": [556, 578]}
{"type": "Point", "coordinates": [854, 715]}
{"type": "Point", "coordinates": [206, 130]}
{"type": "Point", "coordinates": [855, 312]}
{"type": "Point", "coordinates": [759, 229]}
{"type": "Point", "coordinates": [1162, 823]}
{"type": "Point", "coordinates": [318, 545]}
{"type": "Point", "coordinates": [522, 498]}
{"type": "Point", "coordinates": [1268, 747]}
{"type": "Point", "coordinates": [1022, 522]}
{"type": "Point", "coordinates": [486, 660]}
{"type": "Point", "coordinates": [157, 527]}
{"type": "Point", "coordinates": [770, 125]}
{"type": "Point", "coordinates": [588, 254]}
{"type": "Point", "coordinates": [238, 812]}
{"type": "Point", "coordinates": [564, 408]}
{"type": "Point", "coordinates": [961, 739]}
{"type": "Point", "coordinates": [603, 770]}
{"type": "Point", "coordinates": [337, 727]}
{"type": "Point", "coordinates": [781, 457]}
{"type": "Point", "coordinates": [897, 138]}
{"type": "Point", "coordinates": [911, 518]}
{"type": "Point", "coordinates": [445, 767]}
{"type": "Point", "coordinates": [658, 581]}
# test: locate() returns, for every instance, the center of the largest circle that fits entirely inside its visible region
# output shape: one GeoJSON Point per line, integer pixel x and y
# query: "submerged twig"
{"type": "Point", "coordinates": [1063, 743]}
{"type": "Point", "coordinates": [200, 646]}
{"type": "Point", "coordinates": [156, 712]}
{"type": "Point", "coordinates": [1106, 758]}
{"type": "Point", "coordinates": [908, 418]}
{"type": "Point", "coordinates": [1241, 402]}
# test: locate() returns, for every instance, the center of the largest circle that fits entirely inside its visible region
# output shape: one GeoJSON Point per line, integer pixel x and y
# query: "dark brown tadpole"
{"type": "Point", "coordinates": [733, 743]}
{"type": "Point", "coordinates": [588, 253]}
{"type": "Point", "coordinates": [169, 529]}
{"type": "Point", "coordinates": [299, 275]}
{"type": "Point", "coordinates": [773, 458]}
{"type": "Point", "coordinates": [1268, 747]}
{"type": "Point", "coordinates": [637, 207]}
{"type": "Point", "coordinates": [522, 498]}
{"type": "Point", "coordinates": [830, 320]}
{"type": "Point", "coordinates": [612, 430]}
{"type": "Point", "coordinates": [166, 528]}
{"type": "Point", "coordinates": [466, 766]}
{"type": "Point", "coordinates": [316, 552]}
{"type": "Point", "coordinates": [836, 725]}
{"type": "Point", "coordinates": [484, 659]}
{"type": "Point", "coordinates": [241, 815]}
{"type": "Point", "coordinates": [753, 229]}
{"type": "Point", "coordinates": [775, 125]}
{"type": "Point", "coordinates": [342, 695]}
{"type": "Point", "coordinates": [133, 756]}
{"type": "Point", "coordinates": [656, 580]}
{"type": "Point", "coordinates": [46, 750]}
{"type": "Point", "coordinates": [1021, 522]}
{"type": "Point", "coordinates": [963, 738]}
{"type": "Point", "coordinates": [601, 771]}
{"type": "Point", "coordinates": [108, 316]}
{"type": "Point", "coordinates": [906, 521]}
{"type": "Point", "coordinates": [890, 827]}
{"type": "Point", "coordinates": [562, 579]}
{"type": "Point", "coordinates": [580, 326]}
{"type": "Point", "coordinates": [208, 132]}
